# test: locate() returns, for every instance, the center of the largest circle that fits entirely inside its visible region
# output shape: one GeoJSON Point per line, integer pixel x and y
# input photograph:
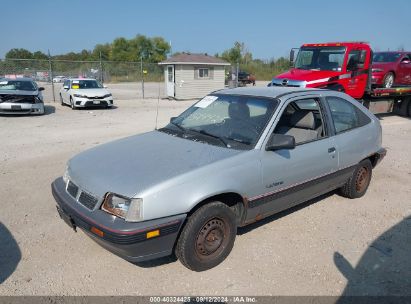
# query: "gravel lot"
{"type": "Point", "coordinates": [330, 246]}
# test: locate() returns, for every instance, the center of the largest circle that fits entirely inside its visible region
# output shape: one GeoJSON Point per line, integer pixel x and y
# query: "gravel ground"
{"type": "Point", "coordinates": [329, 246]}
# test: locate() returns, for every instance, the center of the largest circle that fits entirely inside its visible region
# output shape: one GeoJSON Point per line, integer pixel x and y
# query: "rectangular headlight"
{"type": "Point", "coordinates": [80, 96]}
{"type": "Point", "coordinates": [130, 209]}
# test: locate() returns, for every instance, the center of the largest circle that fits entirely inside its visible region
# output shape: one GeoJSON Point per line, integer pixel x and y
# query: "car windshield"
{"type": "Point", "coordinates": [231, 121]}
{"type": "Point", "coordinates": [320, 58]}
{"type": "Point", "coordinates": [23, 85]}
{"type": "Point", "coordinates": [386, 57]}
{"type": "Point", "coordinates": [86, 84]}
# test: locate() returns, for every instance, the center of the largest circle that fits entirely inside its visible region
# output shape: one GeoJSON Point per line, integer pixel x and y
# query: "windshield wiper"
{"type": "Point", "coordinates": [178, 126]}
{"type": "Point", "coordinates": [239, 141]}
{"type": "Point", "coordinates": [210, 135]}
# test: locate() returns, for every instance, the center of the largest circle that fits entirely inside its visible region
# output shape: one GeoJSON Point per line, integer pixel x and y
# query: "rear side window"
{"type": "Point", "coordinates": [345, 115]}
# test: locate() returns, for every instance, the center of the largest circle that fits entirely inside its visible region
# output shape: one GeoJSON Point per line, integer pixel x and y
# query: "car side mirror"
{"type": "Point", "coordinates": [66, 87]}
{"type": "Point", "coordinates": [280, 142]}
{"type": "Point", "coordinates": [292, 55]}
{"type": "Point", "coordinates": [40, 89]}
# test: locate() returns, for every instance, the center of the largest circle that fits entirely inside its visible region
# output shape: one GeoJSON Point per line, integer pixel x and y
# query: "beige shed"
{"type": "Point", "coordinates": [190, 76]}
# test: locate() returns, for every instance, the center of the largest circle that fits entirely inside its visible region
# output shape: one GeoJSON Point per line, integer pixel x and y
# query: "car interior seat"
{"type": "Point", "coordinates": [302, 126]}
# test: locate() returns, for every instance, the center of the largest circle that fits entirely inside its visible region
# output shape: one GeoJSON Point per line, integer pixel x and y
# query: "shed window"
{"type": "Point", "coordinates": [203, 73]}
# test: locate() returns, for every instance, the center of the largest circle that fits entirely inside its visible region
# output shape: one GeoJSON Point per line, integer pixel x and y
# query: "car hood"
{"type": "Point", "coordinates": [19, 92]}
{"type": "Point", "coordinates": [307, 75]}
{"type": "Point", "coordinates": [131, 165]}
{"type": "Point", "coordinates": [91, 92]}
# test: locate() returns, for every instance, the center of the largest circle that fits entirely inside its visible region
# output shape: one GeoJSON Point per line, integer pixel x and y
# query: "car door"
{"type": "Point", "coordinates": [290, 177]}
{"type": "Point", "coordinates": [358, 66]}
{"type": "Point", "coordinates": [404, 70]}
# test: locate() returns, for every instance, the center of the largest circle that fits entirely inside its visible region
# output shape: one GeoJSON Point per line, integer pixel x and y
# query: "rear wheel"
{"type": "Point", "coordinates": [358, 183]}
{"type": "Point", "coordinates": [388, 81]}
{"type": "Point", "coordinates": [208, 237]}
{"type": "Point", "coordinates": [61, 100]}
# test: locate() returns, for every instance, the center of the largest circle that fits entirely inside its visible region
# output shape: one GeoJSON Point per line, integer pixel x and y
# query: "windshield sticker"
{"type": "Point", "coordinates": [76, 81]}
{"type": "Point", "coordinates": [75, 86]}
{"type": "Point", "coordinates": [3, 82]}
{"type": "Point", "coordinates": [206, 101]}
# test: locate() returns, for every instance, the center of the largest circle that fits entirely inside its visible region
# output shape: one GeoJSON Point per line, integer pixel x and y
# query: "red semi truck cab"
{"type": "Point", "coordinates": [342, 66]}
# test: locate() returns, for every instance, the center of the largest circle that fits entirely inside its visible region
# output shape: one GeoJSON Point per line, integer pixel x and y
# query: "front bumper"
{"type": "Point", "coordinates": [127, 240]}
{"type": "Point", "coordinates": [21, 108]}
{"type": "Point", "coordinates": [90, 103]}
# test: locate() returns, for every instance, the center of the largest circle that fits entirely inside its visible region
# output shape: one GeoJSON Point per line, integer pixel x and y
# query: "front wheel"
{"type": "Point", "coordinates": [208, 237]}
{"type": "Point", "coordinates": [388, 81]}
{"type": "Point", "coordinates": [73, 107]}
{"type": "Point", "coordinates": [359, 181]}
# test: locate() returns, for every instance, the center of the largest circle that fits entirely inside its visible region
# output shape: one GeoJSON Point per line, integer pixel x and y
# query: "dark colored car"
{"type": "Point", "coordinates": [391, 68]}
{"type": "Point", "coordinates": [246, 78]}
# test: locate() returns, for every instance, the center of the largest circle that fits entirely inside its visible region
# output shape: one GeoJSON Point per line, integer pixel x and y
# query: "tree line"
{"type": "Point", "coordinates": [156, 49]}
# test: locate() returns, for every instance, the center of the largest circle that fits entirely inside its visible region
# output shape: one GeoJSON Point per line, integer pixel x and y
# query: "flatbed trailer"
{"type": "Point", "coordinates": [395, 100]}
{"type": "Point", "coordinates": [344, 67]}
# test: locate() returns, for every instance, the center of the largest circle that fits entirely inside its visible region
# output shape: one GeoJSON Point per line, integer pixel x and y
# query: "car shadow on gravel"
{"type": "Point", "coordinates": [49, 109]}
{"type": "Point", "coordinates": [157, 262]}
{"type": "Point", "coordinates": [10, 254]}
{"type": "Point", "coordinates": [250, 227]}
{"type": "Point", "coordinates": [382, 116]}
{"type": "Point", "coordinates": [385, 267]}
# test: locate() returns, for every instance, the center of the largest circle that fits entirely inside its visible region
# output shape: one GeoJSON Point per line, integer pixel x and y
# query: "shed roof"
{"type": "Point", "coordinates": [187, 58]}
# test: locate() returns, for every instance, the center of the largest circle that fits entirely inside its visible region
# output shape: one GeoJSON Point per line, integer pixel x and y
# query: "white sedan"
{"type": "Point", "coordinates": [83, 93]}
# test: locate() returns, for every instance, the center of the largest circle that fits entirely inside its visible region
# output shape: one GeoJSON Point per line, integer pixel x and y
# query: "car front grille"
{"type": "Point", "coordinates": [91, 103]}
{"type": "Point", "coordinates": [86, 199]}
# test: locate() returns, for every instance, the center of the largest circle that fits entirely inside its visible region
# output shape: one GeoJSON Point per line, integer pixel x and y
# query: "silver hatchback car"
{"type": "Point", "coordinates": [20, 96]}
{"type": "Point", "coordinates": [233, 158]}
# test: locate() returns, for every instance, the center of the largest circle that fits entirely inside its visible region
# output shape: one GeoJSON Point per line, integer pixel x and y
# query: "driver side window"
{"type": "Point", "coordinates": [303, 120]}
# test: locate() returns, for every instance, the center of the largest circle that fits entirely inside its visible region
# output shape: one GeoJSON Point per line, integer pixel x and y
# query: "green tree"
{"type": "Point", "coordinates": [19, 54]}
{"type": "Point", "coordinates": [40, 55]}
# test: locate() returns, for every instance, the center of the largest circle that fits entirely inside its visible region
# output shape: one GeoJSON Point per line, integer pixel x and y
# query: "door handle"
{"type": "Point", "coordinates": [331, 150]}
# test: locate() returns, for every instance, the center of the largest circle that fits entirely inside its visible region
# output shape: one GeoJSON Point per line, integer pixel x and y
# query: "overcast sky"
{"type": "Point", "coordinates": [268, 28]}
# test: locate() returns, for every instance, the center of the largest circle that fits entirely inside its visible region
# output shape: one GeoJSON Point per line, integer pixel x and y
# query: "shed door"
{"type": "Point", "coordinates": [170, 80]}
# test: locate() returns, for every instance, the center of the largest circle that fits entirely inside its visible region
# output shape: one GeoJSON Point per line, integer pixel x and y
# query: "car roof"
{"type": "Point", "coordinates": [17, 79]}
{"type": "Point", "coordinates": [271, 92]}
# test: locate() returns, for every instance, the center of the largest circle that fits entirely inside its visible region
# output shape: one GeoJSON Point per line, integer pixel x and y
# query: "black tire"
{"type": "Point", "coordinates": [61, 100]}
{"type": "Point", "coordinates": [72, 104]}
{"type": "Point", "coordinates": [403, 111]}
{"type": "Point", "coordinates": [409, 109]}
{"type": "Point", "coordinates": [208, 237]}
{"type": "Point", "coordinates": [358, 183]}
{"type": "Point", "coordinates": [388, 80]}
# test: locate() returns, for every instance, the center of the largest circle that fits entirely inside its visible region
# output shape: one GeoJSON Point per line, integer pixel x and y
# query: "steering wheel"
{"type": "Point", "coordinates": [243, 129]}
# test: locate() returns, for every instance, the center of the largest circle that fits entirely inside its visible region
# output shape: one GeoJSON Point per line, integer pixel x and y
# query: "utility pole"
{"type": "Point", "coordinates": [101, 70]}
{"type": "Point", "coordinates": [51, 76]}
{"type": "Point", "coordinates": [236, 72]}
{"type": "Point", "coordinates": [142, 74]}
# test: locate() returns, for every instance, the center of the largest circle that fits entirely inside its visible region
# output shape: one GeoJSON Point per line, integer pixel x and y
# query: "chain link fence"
{"type": "Point", "coordinates": [126, 80]}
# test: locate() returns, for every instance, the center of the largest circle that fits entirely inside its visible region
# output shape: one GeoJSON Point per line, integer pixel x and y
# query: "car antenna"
{"type": "Point", "coordinates": [158, 104]}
